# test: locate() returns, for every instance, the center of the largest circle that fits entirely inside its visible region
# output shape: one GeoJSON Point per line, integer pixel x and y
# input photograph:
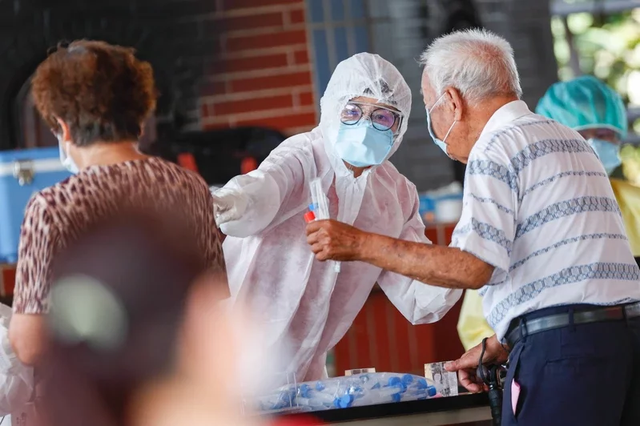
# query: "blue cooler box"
{"type": "Point", "coordinates": [23, 173]}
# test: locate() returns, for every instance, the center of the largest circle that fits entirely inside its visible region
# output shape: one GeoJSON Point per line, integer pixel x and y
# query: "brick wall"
{"type": "Point", "coordinates": [262, 75]}
{"type": "Point", "coordinates": [219, 63]}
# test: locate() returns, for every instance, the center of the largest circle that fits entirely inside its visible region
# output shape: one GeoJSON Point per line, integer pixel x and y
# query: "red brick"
{"type": "Point", "coordinates": [272, 82]}
{"type": "Point", "coordinates": [251, 105]}
{"type": "Point", "coordinates": [243, 4]}
{"type": "Point", "coordinates": [301, 57]}
{"type": "Point", "coordinates": [213, 88]}
{"type": "Point", "coordinates": [281, 38]}
{"type": "Point", "coordinates": [253, 21]}
{"type": "Point", "coordinates": [254, 63]}
{"type": "Point", "coordinates": [296, 16]}
{"type": "Point", "coordinates": [205, 111]}
{"type": "Point", "coordinates": [7, 280]}
{"type": "Point", "coordinates": [306, 99]}
{"type": "Point", "coordinates": [284, 122]}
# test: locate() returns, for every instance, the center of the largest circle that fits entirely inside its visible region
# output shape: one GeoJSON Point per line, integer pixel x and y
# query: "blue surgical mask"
{"type": "Point", "coordinates": [361, 145]}
{"type": "Point", "coordinates": [609, 153]}
{"type": "Point", "coordinates": [441, 143]}
{"type": "Point", "coordinates": [65, 158]}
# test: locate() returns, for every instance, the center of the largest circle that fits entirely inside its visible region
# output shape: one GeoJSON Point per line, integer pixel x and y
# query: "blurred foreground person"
{"type": "Point", "coordinates": [307, 305]}
{"type": "Point", "coordinates": [220, 369]}
{"type": "Point", "coordinates": [136, 335]}
{"type": "Point", "coordinates": [95, 97]}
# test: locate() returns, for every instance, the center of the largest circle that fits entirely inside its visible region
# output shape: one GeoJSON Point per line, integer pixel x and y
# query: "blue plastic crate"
{"type": "Point", "coordinates": [23, 173]}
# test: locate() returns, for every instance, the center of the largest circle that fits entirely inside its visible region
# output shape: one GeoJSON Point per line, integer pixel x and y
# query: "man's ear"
{"type": "Point", "coordinates": [65, 132]}
{"type": "Point", "coordinates": [456, 102]}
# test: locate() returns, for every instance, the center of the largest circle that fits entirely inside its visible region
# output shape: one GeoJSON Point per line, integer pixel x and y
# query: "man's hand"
{"type": "Point", "coordinates": [332, 240]}
{"type": "Point", "coordinates": [468, 363]}
{"type": "Point", "coordinates": [436, 265]}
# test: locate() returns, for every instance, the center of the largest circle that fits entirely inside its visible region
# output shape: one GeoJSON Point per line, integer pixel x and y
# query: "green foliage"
{"type": "Point", "coordinates": [608, 47]}
{"type": "Point", "coordinates": [630, 156]}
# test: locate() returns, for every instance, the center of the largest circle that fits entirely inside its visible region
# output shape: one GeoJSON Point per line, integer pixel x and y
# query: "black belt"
{"type": "Point", "coordinates": [521, 327]}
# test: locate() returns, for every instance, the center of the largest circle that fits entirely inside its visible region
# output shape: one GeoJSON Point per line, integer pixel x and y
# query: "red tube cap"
{"type": "Point", "coordinates": [309, 217]}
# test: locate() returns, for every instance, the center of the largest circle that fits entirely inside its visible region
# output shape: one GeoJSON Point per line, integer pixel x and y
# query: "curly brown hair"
{"type": "Point", "coordinates": [103, 92]}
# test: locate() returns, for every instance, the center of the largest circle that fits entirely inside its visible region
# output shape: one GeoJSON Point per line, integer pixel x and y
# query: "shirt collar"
{"type": "Point", "coordinates": [504, 115]}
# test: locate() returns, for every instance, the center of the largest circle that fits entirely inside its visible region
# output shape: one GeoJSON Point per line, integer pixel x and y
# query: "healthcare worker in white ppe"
{"type": "Point", "coordinates": [309, 305]}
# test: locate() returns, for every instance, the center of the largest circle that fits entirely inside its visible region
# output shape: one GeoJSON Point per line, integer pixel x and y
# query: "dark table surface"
{"type": "Point", "coordinates": [403, 408]}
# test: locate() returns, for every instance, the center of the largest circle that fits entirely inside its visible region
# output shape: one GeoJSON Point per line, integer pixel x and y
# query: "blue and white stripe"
{"type": "Point", "coordinates": [566, 208]}
{"type": "Point", "coordinates": [539, 207]}
{"type": "Point", "coordinates": [561, 175]}
{"type": "Point", "coordinates": [571, 275]}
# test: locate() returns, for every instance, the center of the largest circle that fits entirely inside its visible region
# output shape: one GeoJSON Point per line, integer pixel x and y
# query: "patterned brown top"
{"type": "Point", "coordinates": [57, 215]}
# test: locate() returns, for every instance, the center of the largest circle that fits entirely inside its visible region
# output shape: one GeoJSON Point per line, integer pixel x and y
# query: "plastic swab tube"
{"type": "Point", "coordinates": [321, 207]}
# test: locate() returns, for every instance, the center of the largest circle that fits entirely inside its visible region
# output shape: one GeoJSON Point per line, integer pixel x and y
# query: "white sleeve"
{"type": "Point", "coordinates": [487, 225]}
{"type": "Point", "coordinates": [251, 202]}
{"type": "Point", "coordinates": [419, 303]}
{"type": "Point", "coordinates": [16, 379]}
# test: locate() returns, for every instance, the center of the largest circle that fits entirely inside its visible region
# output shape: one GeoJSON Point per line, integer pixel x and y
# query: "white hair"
{"type": "Point", "coordinates": [478, 63]}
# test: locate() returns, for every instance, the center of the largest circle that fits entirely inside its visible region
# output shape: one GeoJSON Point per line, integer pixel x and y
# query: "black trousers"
{"type": "Point", "coordinates": [585, 374]}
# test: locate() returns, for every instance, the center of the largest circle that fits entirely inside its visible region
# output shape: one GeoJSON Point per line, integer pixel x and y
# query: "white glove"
{"type": "Point", "coordinates": [228, 205]}
{"type": "Point", "coordinates": [16, 380]}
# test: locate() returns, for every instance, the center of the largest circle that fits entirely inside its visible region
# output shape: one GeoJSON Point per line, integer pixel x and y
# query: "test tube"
{"type": "Point", "coordinates": [321, 205]}
{"type": "Point", "coordinates": [319, 200]}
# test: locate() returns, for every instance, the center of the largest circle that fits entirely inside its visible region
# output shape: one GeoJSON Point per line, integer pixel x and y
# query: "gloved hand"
{"type": "Point", "coordinates": [16, 380]}
{"type": "Point", "coordinates": [228, 205]}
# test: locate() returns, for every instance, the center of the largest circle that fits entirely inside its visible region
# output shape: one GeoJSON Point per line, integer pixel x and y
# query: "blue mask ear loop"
{"type": "Point", "coordinates": [436, 103]}
{"type": "Point", "coordinates": [452, 124]}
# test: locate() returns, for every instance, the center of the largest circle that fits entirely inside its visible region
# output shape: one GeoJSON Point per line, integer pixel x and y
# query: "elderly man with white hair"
{"type": "Point", "coordinates": [540, 234]}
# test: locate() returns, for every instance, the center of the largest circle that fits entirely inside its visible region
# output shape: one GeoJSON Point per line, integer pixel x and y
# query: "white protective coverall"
{"type": "Point", "coordinates": [16, 379]}
{"type": "Point", "coordinates": [305, 303]}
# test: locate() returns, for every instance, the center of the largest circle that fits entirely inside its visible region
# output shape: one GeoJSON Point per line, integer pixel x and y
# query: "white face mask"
{"type": "Point", "coordinates": [65, 158]}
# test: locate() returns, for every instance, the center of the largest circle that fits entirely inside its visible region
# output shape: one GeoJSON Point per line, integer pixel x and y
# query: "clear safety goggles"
{"type": "Point", "coordinates": [381, 118]}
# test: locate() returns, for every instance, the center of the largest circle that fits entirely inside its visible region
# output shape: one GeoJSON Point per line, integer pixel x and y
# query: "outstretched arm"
{"type": "Point", "coordinates": [436, 265]}
{"type": "Point", "coordinates": [250, 203]}
{"type": "Point", "coordinates": [482, 241]}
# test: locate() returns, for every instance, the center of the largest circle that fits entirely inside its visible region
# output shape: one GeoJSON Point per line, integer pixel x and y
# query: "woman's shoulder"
{"type": "Point", "coordinates": [96, 185]}
{"type": "Point", "coordinates": [176, 170]}
{"type": "Point", "coordinates": [147, 169]}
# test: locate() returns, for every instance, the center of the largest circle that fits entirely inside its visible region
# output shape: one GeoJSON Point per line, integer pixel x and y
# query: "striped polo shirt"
{"type": "Point", "coordinates": [539, 207]}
